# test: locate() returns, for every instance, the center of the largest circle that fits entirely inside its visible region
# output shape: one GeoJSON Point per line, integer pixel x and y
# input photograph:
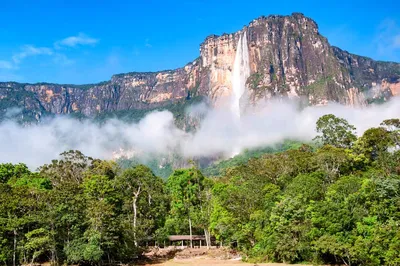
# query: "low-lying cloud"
{"type": "Point", "coordinates": [219, 133]}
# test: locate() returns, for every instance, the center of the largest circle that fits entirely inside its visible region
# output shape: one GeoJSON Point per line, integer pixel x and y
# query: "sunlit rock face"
{"type": "Point", "coordinates": [285, 56]}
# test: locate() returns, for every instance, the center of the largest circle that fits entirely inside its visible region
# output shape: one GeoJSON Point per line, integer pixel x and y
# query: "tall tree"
{"type": "Point", "coordinates": [375, 142]}
{"type": "Point", "coordinates": [144, 197]}
{"type": "Point", "coordinates": [69, 168]}
{"type": "Point", "coordinates": [185, 187]}
{"type": "Point", "coordinates": [101, 214]}
{"type": "Point", "coordinates": [335, 131]}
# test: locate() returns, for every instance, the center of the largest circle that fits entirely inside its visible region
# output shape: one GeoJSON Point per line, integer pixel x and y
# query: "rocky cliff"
{"type": "Point", "coordinates": [287, 57]}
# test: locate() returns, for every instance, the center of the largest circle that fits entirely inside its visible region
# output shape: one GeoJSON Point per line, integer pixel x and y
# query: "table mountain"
{"type": "Point", "coordinates": [274, 56]}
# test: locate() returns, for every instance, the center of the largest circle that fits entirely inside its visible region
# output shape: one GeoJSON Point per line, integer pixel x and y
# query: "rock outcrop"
{"type": "Point", "coordinates": [287, 58]}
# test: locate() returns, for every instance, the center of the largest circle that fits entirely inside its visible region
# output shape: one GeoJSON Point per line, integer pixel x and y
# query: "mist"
{"type": "Point", "coordinates": [220, 132]}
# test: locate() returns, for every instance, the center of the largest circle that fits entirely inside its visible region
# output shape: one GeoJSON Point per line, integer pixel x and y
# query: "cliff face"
{"type": "Point", "coordinates": [122, 92]}
{"type": "Point", "coordinates": [286, 57]}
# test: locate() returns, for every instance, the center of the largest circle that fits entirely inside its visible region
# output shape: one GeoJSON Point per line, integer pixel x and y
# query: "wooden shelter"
{"type": "Point", "coordinates": [184, 240]}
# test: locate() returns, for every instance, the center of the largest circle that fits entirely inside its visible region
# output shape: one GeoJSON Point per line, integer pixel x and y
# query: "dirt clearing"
{"type": "Point", "coordinates": [203, 261]}
{"type": "Point", "coordinates": [198, 257]}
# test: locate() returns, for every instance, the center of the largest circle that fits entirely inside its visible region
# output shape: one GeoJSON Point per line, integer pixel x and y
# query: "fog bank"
{"type": "Point", "coordinates": [220, 132]}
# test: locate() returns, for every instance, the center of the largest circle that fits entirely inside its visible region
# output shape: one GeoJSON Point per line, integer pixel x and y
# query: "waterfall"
{"type": "Point", "coordinates": [241, 71]}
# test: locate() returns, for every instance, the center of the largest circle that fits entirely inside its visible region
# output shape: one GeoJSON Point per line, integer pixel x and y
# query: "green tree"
{"type": "Point", "coordinates": [335, 131]}
{"type": "Point", "coordinates": [22, 208]}
{"type": "Point", "coordinates": [185, 187]}
{"type": "Point", "coordinates": [70, 168]}
{"type": "Point", "coordinates": [375, 141]}
{"type": "Point", "coordinates": [335, 218]}
{"type": "Point", "coordinates": [38, 242]}
{"type": "Point", "coordinates": [101, 214]}
{"type": "Point", "coordinates": [15, 171]}
{"type": "Point", "coordinates": [145, 200]}
{"type": "Point", "coordinates": [66, 201]}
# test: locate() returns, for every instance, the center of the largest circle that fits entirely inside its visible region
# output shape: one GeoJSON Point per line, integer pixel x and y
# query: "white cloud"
{"type": "Point", "coordinates": [25, 51]}
{"type": "Point", "coordinates": [30, 50]}
{"type": "Point", "coordinates": [220, 133]}
{"type": "Point", "coordinates": [54, 56]}
{"type": "Point", "coordinates": [6, 65]}
{"type": "Point", "coordinates": [73, 41]}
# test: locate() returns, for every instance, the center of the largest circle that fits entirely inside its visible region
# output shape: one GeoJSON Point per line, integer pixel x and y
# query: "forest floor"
{"type": "Point", "coordinates": [197, 257]}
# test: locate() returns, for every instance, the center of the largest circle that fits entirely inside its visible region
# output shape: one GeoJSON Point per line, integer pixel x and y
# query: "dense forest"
{"type": "Point", "coordinates": [336, 201]}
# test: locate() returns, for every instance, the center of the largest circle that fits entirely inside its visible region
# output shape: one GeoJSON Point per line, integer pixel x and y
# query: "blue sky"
{"type": "Point", "coordinates": [87, 41]}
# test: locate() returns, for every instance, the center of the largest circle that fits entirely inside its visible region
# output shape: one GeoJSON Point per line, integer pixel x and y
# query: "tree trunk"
{"type": "Point", "coordinates": [208, 238]}
{"type": "Point", "coordinates": [190, 231]}
{"type": "Point", "coordinates": [53, 248]}
{"type": "Point", "coordinates": [135, 198]}
{"type": "Point", "coordinates": [134, 220]}
{"type": "Point", "coordinates": [15, 247]}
